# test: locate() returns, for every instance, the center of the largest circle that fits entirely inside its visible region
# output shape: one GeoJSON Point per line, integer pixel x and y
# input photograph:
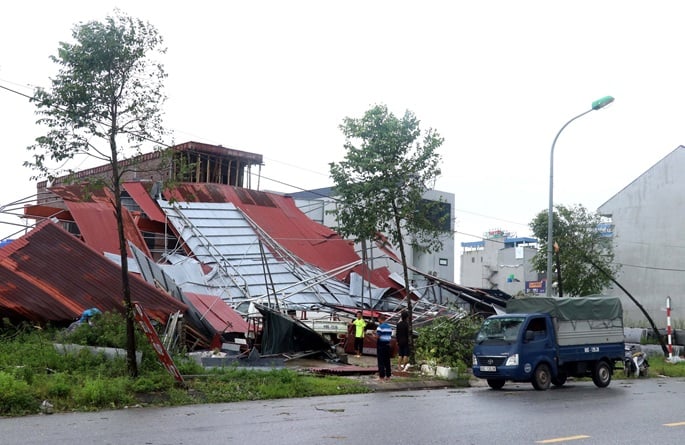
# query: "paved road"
{"type": "Point", "coordinates": [626, 412]}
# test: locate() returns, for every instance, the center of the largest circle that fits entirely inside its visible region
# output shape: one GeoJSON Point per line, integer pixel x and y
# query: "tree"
{"type": "Point", "coordinates": [107, 93]}
{"type": "Point", "coordinates": [380, 184]}
{"type": "Point", "coordinates": [587, 262]}
{"type": "Point", "coordinates": [578, 244]}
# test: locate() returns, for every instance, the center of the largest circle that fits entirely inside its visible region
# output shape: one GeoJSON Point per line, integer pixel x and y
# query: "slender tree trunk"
{"type": "Point", "coordinates": [126, 287]}
{"type": "Point", "coordinates": [407, 287]}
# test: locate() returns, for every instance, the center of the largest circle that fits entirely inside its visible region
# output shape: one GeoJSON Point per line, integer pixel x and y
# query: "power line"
{"type": "Point", "coordinates": [164, 144]}
{"type": "Point", "coordinates": [259, 175]}
{"type": "Point", "coordinates": [665, 269]}
{"type": "Point", "coordinates": [137, 135]}
{"type": "Point", "coordinates": [15, 91]}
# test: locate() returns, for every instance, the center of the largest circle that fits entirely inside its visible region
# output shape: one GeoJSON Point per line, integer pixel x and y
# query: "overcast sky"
{"type": "Point", "coordinates": [497, 79]}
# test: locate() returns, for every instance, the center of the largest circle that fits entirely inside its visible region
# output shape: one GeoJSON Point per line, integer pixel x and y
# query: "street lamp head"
{"type": "Point", "coordinates": [601, 103]}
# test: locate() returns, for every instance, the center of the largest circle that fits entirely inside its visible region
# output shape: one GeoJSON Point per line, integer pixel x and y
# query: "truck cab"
{"type": "Point", "coordinates": [511, 346]}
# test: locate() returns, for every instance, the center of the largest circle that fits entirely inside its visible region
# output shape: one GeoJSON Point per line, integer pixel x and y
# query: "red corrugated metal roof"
{"type": "Point", "coordinates": [41, 211]}
{"type": "Point", "coordinates": [98, 226]}
{"type": "Point", "coordinates": [93, 212]}
{"type": "Point", "coordinates": [215, 310]}
{"type": "Point", "coordinates": [140, 194]}
{"type": "Point", "coordinates": [79, 192]}
{"type": "Point", "coordinates": [49, 275]}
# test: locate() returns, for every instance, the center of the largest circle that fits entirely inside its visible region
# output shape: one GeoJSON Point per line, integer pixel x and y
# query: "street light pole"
{"type": "Point", "coordinates": [596, 105]}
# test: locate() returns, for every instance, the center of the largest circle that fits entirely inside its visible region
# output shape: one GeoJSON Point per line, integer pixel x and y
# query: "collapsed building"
{"type": "Point", "coordinates": [208, 254]}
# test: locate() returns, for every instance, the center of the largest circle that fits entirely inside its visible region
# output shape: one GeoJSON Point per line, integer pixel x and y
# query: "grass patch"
{"type": "Point", "coordinates": [32, 370]}
{"type": "Point", "coordinates": [233, 385]}
{"type": "Point", "coordinates": [660, 366]}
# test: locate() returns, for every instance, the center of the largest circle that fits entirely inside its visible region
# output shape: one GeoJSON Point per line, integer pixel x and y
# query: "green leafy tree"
{"type": "Point", "coordinates": [389, 164]}
{"type": "Point", "coordinates": [579, 244]}
{"type": "Point", "coordinates": [105, 102]}
{"type": "Point", "coordinates": [448, 341]}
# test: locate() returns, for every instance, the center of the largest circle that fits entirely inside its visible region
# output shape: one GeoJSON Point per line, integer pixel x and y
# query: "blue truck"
{"type": "Point", "coordinates": [545, 340]}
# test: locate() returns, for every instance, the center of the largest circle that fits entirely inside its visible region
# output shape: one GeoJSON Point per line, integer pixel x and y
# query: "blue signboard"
{"type": "Point", "coordinates": [536, 287]}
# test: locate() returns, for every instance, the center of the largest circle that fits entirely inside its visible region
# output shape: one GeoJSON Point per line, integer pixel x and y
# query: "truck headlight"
{"type": "Point", "coordinates": [474, 360]}
{"type": "Point", "coordinates": [512, 360]}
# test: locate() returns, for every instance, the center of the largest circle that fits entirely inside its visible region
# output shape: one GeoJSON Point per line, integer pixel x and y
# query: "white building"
{"type": "Point", "coordinates": [501, 261]}
{"type": "Point", "coordinates": [648, 219]}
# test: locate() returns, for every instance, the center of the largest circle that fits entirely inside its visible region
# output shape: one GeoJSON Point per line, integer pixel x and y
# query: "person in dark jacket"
{"type": "Point", "coordinates": [402, 335]}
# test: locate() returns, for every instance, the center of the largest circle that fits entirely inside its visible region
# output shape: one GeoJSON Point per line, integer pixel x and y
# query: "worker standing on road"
{"type": "Point", "coordinates": [402, 335]}
{"type": "Point", "coordinates": [383, 337]}
{"type": "Point", "coordinates": [359, 330]}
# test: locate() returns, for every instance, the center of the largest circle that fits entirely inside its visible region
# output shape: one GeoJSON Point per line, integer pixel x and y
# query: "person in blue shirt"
{"type": "Point", "coordinates": [383, 337]}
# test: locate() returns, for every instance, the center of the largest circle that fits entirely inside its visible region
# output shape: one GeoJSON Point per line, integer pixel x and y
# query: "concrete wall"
{"type": "Point", "coordinates": [478, 266]}
{"type": "Point", "coordinates": [649, 241]}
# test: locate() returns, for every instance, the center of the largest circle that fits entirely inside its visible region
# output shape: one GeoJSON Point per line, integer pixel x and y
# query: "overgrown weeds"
{"type": "Point", "coordinates": [33, 370]}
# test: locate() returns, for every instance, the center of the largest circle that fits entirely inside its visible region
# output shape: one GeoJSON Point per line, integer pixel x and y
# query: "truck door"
{"type": "Point", "coordinates": [538, 345]}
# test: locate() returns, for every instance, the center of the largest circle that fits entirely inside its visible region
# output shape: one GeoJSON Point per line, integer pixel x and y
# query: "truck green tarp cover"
{"type": "Point", "coordinates": [580, 308]}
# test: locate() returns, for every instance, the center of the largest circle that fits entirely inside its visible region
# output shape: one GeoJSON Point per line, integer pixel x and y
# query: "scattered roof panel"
{"type": "Point", "coordinates": [217, 313]}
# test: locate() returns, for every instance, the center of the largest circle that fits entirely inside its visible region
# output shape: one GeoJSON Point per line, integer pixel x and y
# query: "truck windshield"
{"type": "Point", "coordinates": [500, 328]}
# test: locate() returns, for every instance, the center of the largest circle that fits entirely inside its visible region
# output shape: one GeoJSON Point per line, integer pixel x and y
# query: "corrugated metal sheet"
{"type": "Point", "coordinates": [217, 313]}
{"type": "Point", "coordinates": [279, 217]}
{"type": "Point", "coordinates": [140, 193]}
{"type": "Point", "coordinates": [214, 232]}
{"type": "Point", "coordinates": [94, 214]}
{"type": "Point", "coordinates": [79, 192]}
{"type": "Point", "coordinates": [219, 235]}
{"type": "Point", "coordinates": [49, 275]}
{"type": "Point", "coordinates": [208, 313]}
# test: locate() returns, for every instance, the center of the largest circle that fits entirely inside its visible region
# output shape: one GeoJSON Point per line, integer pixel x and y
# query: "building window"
{"type": "Point", "coordinates": [473, 259]}
{"type": "Point", "coordinates": [442, 261]}
{"type": "Point", "coordinates": [438, 213]}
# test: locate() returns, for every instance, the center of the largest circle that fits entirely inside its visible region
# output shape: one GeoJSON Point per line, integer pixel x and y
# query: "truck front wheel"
{"type": "Point", "coordinates": [601, 375]}
{"type": "Point", "coordinates": [495, 383]}
{"type": "Point", "coordinates": [542, 377]}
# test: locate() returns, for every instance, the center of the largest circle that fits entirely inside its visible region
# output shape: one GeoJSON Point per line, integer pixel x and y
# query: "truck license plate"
{"type": "Point", "coordinates": [488, 368]}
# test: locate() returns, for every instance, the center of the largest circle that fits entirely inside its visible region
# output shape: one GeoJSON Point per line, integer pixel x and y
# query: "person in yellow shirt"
{"type": "Point", "coordinates": [359, 330]}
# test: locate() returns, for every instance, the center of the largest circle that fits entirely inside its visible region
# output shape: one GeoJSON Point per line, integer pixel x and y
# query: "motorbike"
{"type": "Point", "coordinates": [635, 363]}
